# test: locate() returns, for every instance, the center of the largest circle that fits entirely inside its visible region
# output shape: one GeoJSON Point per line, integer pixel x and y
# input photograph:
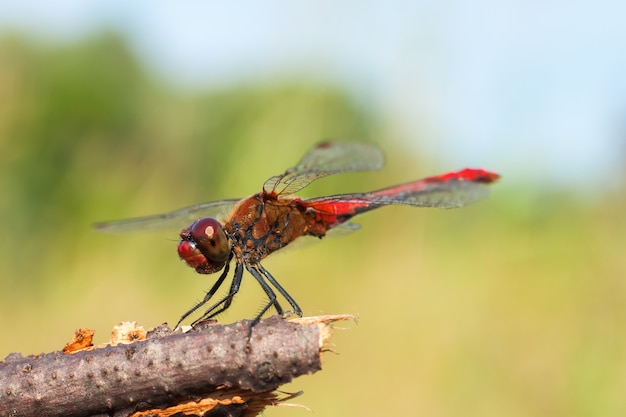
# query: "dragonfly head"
{"type": "Point", "coordinates": [204, 246]}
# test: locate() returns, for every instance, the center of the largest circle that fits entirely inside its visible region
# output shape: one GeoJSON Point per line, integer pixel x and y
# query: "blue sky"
{"type": "Point", "coordinates": [533, 89]}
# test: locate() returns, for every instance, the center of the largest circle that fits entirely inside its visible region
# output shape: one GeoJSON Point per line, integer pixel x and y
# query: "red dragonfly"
{"type": "Point", "coordinates": [268, 221]}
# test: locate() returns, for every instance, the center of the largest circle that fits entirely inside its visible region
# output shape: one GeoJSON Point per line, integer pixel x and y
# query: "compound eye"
{"type": "Point", "coordinates": [210, 238]}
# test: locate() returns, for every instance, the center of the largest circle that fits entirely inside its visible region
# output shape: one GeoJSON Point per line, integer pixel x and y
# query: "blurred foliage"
{"type": "Point", "coordinates": [514, 306]}
{"type": "Point", "coordinates": [84, 121]}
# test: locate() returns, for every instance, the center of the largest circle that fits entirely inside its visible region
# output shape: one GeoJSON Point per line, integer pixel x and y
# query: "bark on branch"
{"type": "Point", "coordinates": [212, 370]}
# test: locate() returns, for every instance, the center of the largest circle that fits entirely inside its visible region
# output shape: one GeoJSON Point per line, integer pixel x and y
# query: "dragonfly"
{"type": "Point", "coordinates": [261, 224]}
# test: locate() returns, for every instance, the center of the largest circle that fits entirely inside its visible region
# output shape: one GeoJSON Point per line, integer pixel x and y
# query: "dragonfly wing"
{"type": "Point", "coordinates": [327, 158]}
{"type": "Point", "coordinates": [175, 219]}
{"type": "Point", "coordinates": [343, 229]}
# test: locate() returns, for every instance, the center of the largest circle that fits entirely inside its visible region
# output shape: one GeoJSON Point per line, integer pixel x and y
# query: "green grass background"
{"type": "Point", "coordinates": [514, 306]}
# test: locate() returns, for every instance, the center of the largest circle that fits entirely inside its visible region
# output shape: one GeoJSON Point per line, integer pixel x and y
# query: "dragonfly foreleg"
{"type": "Point", "coordinates": [209, 293]}
{"type": "Point", "coordinates": [225, 302]}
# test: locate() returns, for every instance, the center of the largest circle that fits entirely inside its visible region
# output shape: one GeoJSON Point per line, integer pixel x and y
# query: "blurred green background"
{"type": "Point", "coordinates": [514, 306]}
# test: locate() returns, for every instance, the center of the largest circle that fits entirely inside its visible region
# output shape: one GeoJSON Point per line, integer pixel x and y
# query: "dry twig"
{"type": "Point", "coordinates": [212, 370]}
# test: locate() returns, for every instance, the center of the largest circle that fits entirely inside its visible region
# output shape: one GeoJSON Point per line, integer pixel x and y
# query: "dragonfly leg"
{"type": "Point", "coordinates": [209, 293]}
{"type": "Point", "coordinates": [295, 307]}
{"type": "Point", "coordinates": [271, 295]}
{"type": "Point", "coordinates": [225, 302]}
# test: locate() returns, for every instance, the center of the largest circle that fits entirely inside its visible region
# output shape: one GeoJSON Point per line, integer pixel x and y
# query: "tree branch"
{"type": "Point", "coordinates": [212, 369]}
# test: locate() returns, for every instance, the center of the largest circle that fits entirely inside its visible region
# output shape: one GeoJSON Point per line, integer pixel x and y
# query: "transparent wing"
{"type": "Point", "coordinates": [327, 158]}
{"type": "Point", "coordinates": [175, 219]}
{"type": "Point", "coordinates": [343, 229]}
